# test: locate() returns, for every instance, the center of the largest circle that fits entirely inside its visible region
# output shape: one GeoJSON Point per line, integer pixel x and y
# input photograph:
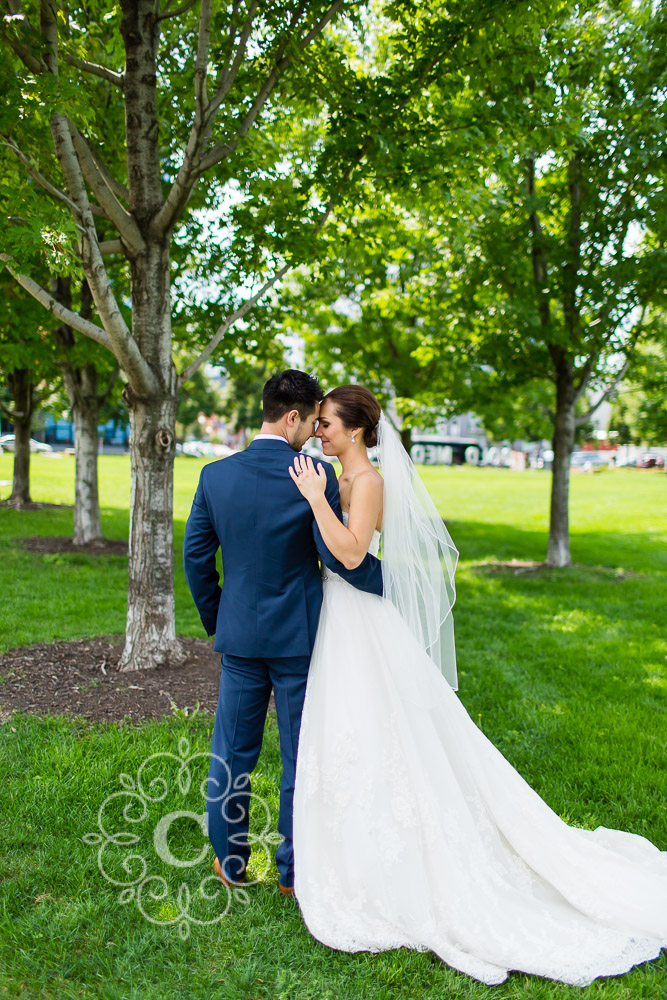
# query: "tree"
{"type": "Point", "coordinates": [373, 311]}
{"type": "Point", "coordinates": [50, 355]}
{"type": "Point", "coordinates": [557, 254]}
{"type": "Point", "coordinates": [202, 397]}
{"type": "Point", "coordinates": [256, 97]}
{"type": "Point", "coordinates": [28, 369]}
{"type": "Point", "coordinates": [242, 398]}
{"type": "Point", "coordinates": [244, 66]}
{"type": "Point", "coordinates": [640, 409]}
{"type": "Point", "coordinates": [83, 365]}
{"type": "Point", "coordinates": [522, 414]}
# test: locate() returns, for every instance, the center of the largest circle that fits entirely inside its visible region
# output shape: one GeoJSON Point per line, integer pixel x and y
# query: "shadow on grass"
{"type": "Point", "coordinates": [73, 594]}
{"type": "Point", "coordinates": [482, 540]}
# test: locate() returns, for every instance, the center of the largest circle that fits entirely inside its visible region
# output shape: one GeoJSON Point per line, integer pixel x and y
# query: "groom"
{"type": "Point", "coordinates": [266, 613]}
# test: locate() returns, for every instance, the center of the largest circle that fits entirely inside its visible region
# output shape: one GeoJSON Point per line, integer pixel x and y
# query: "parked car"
{"type": "Point", "coordinates": [315, 453]}
{"type": "Point", "coordinates": [7, 442]}
{"type": "Point", "coordinates": [650, 462]}
{"type": "Point", "coordinates": [198, 449]}
{"type": "Point", "coordinates": [204, 449]}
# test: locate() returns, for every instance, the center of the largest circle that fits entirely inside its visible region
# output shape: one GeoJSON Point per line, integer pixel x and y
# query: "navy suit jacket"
{"type": "Point", "coordinates": [270, 601]}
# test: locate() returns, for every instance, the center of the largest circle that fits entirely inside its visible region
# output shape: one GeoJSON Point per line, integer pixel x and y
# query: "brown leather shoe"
{"type": "Point", "coordinates": [223, 878]}
{"type": "Point", "coordinates": [286, 890]}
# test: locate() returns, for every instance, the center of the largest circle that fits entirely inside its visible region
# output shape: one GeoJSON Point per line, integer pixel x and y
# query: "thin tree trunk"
{"type": "Point", "coordinates": [406, 438]}
{"type": "Point", "coordinates": [81, 387]}
{"type": "Point", "coordinates": [85, 410]}
{"type": "Point", "coordinates": [22, 392]}
{"type": "Point", "coordinates": [558, 550]}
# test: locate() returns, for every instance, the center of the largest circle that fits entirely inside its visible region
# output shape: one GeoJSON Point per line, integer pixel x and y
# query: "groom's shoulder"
{"type": "Point", "coordinates": [222, 466]}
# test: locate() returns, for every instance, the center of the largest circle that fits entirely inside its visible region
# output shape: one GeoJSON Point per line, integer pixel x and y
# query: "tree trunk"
{"type": "Point", "coordinates": [150, 635]}
{"type": "Point", "coordinates": [406, 438]}
{"type": "Point", "coordinates": [558, 551]}
{"type": "Point", "coordinates": [81, 388]}
{"type": "Point", "coordinates": [22, 392]}
{"type": "Point", "coordinates": [85, 411]}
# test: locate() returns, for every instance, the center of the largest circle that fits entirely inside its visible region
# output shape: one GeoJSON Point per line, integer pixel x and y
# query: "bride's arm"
{"type": "Point", "coordinates": [349, 545]}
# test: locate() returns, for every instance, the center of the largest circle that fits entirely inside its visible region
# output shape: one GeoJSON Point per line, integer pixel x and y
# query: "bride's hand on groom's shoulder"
{"type": "Point", "coordinates": [311, 482]}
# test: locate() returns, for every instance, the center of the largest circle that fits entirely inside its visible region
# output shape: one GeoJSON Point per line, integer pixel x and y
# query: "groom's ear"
{"type": "Point", "coordinates": [293, 418]}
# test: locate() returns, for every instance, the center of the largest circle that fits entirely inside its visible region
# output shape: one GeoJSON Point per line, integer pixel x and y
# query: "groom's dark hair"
{"type": "Point", "coordinates": [291, 390]}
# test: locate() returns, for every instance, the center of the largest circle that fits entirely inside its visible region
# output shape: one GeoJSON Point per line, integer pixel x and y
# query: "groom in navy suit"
{"type": "Point", "coordinates": [265, 615]}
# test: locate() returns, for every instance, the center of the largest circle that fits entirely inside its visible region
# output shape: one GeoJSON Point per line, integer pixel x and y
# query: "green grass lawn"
{"type": "Point", "coordinates": [565, 671]}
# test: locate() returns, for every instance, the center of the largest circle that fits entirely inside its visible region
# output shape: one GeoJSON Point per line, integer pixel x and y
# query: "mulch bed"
{"type": "Point", "coordinates": [82, 678]}
{"type": "Point", "coordinates": [63, 543]}
{"type": "Point", "coordinates": [35, 505]}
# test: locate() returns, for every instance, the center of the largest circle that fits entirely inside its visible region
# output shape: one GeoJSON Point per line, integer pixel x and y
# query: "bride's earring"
{"type": "Point", "coordinates": [353, 439]}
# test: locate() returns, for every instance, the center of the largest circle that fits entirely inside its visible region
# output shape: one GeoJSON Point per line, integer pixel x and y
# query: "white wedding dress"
{"type": "Point", "coordinates": [412, 830]}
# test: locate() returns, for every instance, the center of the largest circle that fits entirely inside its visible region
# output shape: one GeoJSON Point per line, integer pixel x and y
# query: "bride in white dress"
{"type": "Point", "coordinates": [410, 828]}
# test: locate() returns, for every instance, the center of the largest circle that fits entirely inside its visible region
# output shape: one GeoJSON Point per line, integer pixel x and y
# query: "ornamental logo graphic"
{"type": "Point", "coordinates": [167, 810]}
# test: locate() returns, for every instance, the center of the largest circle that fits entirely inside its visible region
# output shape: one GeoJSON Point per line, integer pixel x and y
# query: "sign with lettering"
{"type": "Point", "coordinates": [446, 452]}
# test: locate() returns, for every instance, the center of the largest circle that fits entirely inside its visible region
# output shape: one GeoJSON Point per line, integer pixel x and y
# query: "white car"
{"type": "Point", "coordinates": [7, 442]}
{"type": "Point", "coordinates": [204, 449]}
{"type": "Point", "coordinates": [315, 453]}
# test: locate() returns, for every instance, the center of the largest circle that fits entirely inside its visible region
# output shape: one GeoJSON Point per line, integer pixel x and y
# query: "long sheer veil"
{"type": "Point", "coordinates": [419, 557]}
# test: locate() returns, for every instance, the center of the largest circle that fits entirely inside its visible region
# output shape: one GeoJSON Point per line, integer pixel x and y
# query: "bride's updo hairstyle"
{"type": "Point", "coordinates": [357, 407]}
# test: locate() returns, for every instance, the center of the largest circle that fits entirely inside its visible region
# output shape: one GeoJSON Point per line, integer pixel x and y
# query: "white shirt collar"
{"type": "Point", "coordinates": [270, 437]}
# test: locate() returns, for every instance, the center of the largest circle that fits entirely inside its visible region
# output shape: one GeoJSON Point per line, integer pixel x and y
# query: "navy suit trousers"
{"type": "Point", "coordinates": [243, 700]}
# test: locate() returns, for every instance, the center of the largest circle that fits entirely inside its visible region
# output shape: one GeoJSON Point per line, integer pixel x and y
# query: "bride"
{"type": "Point", "coordinates": [410, 828]}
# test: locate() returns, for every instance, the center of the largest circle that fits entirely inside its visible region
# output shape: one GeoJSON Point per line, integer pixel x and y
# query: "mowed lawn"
{"type": "Point", "coordinates": [565, 671]}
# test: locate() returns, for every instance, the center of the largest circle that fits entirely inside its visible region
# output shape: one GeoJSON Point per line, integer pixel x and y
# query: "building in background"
{"type": "Point", "coordinates": [456, 440]}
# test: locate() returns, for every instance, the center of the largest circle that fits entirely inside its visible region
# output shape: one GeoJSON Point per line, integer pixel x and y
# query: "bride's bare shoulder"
{"type": "Point", "coordinates": [369, 480]}
{"type": "Point", "coordinates": [366, 490]}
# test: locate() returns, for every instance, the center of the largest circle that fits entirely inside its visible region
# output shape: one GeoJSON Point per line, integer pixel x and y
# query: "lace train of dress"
{"type": "Point", "coordinates": [412, 830]}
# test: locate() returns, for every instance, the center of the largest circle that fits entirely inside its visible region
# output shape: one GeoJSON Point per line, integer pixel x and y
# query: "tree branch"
{"type": "Point", "coordinates": [242, 310]}
{"type": "Point", "coordinates": [166, 13]}
{"type": "Point", "coordinates": [193, 165]}
{"type": "Point", "coordinates": [573, 262]}
{"type": "Point", "coordinates": [605, 395]}
{"type": "Point", "coordinates": [39, 177]}
{"type": "Point", "coordinates": [101, 400]}
{"type": "Point", "coordinates": [201, 61]}
{"type": "Point", "coordinates": [96, 70]}
{"type": "Point", "coordinates": [97, 211]}
{"type": "Point", "coordinates": [282, 61]}
{"type": "Point", "coordinates": [126, 349]}
{"type": "Point", "coordinates": [112, 208]}
{"type": "Point", "coordinates": [118, 189]}
{"type": "Point", "coordinates": [31, 62]}
{"type": "Point", "coordinates": [62, 289]}
{"type": "Point", "coordinates": [228, 77]}
{"type": "Point", "coordinates": [586, 372]}
{"type": "Point", "coordinates": [115, 334]}
{"type": "Point", "coordinates": [620, 375]}
{"type": "Point", "coordinates": [60, 312]}
{"type": "Point", "coordinates": [537, 251]}
{"type": "Point", "coordinates": [110, 247]}
{"type": "Point", "coordinates": [229, 321]}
